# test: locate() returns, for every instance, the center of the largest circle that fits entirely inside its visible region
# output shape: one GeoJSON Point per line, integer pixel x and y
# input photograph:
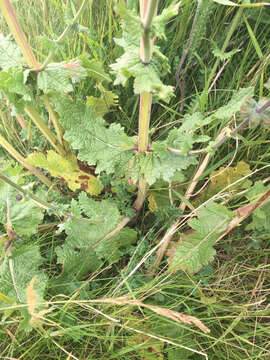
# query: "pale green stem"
{"type": "Point", "coordinates": [39, 122]}
{"type": "Point", "coordinates": [65, 32]}
{"type": "Point", "coordinates": [148, 9]}
{"type": "Point", "coordinates": [17, 32]}
{"type": "Point", "coordinates": [17, 156]}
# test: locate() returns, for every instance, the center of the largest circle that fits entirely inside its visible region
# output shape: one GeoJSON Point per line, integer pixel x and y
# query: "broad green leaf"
{"type": "Point", "coordinates": [66, 168]}
{"type": "Point", "coordinates": [109, 148]}
{"type": "Point", "coordinates": [195, 249]}
{"type": "Point", "coordinates": [260, 217]}
{"type": "Point", "coordinates": [146, 77]}
{"type": "Point", "coordinates": [13, 82]}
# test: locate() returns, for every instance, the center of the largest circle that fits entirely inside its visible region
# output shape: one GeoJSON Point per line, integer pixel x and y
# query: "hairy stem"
{"type": "Point", "coordinates": [18, 157]}
{"type": "Point", "coordinates": [39, 122]}
{"type": "Point", "coordinates": [17, 32]}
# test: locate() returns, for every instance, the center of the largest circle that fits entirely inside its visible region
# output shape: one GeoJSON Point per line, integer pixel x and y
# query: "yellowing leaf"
{"type": "Point", "coordinates": [67, 168]}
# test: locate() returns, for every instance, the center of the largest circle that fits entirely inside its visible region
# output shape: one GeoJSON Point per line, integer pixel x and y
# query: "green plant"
{"type": "Point", "coordinates": [86, 148]}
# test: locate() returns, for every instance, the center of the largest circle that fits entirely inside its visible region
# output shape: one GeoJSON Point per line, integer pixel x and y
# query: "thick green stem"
{"type": "Point", "coordinates": [17, 156]}
{"type": "Point", "coordinates": [65, 32]}
{"type": "Point", "coordinates": [144, 121]}
{"type": "Point", "coordinates": [17, 32]}
{"type": "Point", "coordinates": [148, 12]}
{"type": "Point", "coordinates": [39, 122]}
{"type": "Point", "coordinates": [148, 9]}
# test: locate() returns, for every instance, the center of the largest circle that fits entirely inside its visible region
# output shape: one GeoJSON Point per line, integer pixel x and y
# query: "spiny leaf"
{"type": "Point", "coordinates": [195, 249]}
{"type": "Point", "coordinates": [66, 168]}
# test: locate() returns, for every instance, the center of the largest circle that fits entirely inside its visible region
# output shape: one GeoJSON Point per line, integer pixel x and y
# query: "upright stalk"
{"type": "Point", "coordinates": [148, 9]}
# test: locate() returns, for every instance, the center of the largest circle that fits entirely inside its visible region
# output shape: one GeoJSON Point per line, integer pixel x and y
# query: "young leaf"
{"type": "Point", "coordinates": [59, 77]}
{"type": "Point", "coordinates": [195, 249]}
{"type": "Point", "coordinates": [66, 168]}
